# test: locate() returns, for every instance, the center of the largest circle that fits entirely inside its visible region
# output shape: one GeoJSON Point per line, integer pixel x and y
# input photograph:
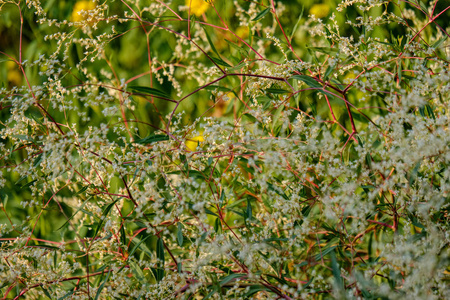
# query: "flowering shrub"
{"type": "Point", "coordinates": [225, 150]}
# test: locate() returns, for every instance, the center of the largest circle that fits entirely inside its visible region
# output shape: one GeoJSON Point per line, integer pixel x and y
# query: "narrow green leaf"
{"type": "Point", "coordinates": [104, 214]}
{"type": "Point", "coordinates": [152, 139]}
{"type": "Point", "coordinates": [277, 115]}
{"type": "Point", "coordinates": [100, 288]}
{"type": "Point", "coordinates": [46, 292]}
{"type": "Point", "coordinates": [222, 197]}
{"type": "Point", "coordinates": [296, 24]}
{"type": "Point", "coordinates": [276, 91]}
{"type": "Point", "coordinates": [325, 50]}
{"type": "Point", "coordinates": [28, 184]}
{"type": "Point", "coordinates": [336, 271]}
{"type": "Point", "coordinates": [137, 271]}
{"type": "Point", "coordinates": [218, 88]}
{"type": "Point", "coordinates": [38, 160]}
{"type": "Point", "coordinates": [70, 293]}
{"type": "Point", "coordinates": [413, 174]}
{"type": "Point", "coordinates": [439, 42]}
{"type": "Point", "coordinates": [329, 70]}
{"type": "Point", "coordinates": [138, 245]}
{"type": "Point", "coordinates": [262, 14]}
{"type": "Point", "coordinates": [148, 91]}
{"type": "Point", "coordinates": [231, 277]}
{"type": "Point", "coordinates": [180, 238]}
{"type": "Point", "coordinates": [254, 289]}
{"type": "Point", "coordinates": [217, 226]}
{"type": "Point", "coordinates": [308, 80]}
{"type": "Point", "coordinates": [211, 44]}
{"type": "Point", "coordinates": [80, 208]}
{"type": "Point", "coordinates": [249, 210]}
{"type": "Point", "coordinates": [220, 62]}
{"type": "Point", "coordinates": [241, 50]}
{"type": "Point", "coordinates": [324, 252]}
{"type": "Point", "coordinates": [160, 250]}
{"type": "Point", "coordinates": [209, 212]}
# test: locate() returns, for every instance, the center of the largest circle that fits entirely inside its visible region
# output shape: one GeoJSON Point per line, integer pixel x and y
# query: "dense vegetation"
{"type": "Point", "coordinates": [194, 149]}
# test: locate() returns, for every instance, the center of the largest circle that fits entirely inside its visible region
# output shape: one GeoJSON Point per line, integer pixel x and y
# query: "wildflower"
{"type": "Point", "coordinates": [319, 10]}
{"type": "Point", "coordinates": [198, 7]}
{"type": "Point", "coordinates": [79, 7]}
{"type": "Point", "coordinates": [193, 143]}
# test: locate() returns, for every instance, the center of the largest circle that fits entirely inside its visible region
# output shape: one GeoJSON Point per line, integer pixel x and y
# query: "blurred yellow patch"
{"type": "Point", "coordinates": [78, 7]}
{"type": "Point", "coordinates": [198, 7]}
{"type": "Point", "coordinates": [193, 143]}
{"type": "Point", "coordinates": [242, 32]}
{"type": "Point", "coordinates": [320, 10]}
{"type": "Point", "coordinates": [349, 78]}
{"type": "Point", "coordinates": [14, 76]}
{"type": "Point", "coordinates": [291, 266]}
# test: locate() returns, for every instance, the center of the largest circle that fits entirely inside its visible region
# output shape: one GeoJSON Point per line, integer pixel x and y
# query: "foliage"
{"type": "Point", "coordinates": [225, 150]}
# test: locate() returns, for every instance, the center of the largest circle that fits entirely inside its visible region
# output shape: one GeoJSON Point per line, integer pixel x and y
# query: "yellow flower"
{"type": "Point", "coordinates": [319, 10]}
{"type": "Point", "coordinates": [198, 7]}
{"type": "Point", "coordinates": [192, 143]}
{"type": "Point", "coordinates": [78, 7]}
{"type": "Point", "coordinates": [14, 76]}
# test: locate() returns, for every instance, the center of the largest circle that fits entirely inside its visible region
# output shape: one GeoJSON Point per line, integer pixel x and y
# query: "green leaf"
{"type": "Point", "coordinates": [46, 292]}
{"type": "Point", "coordinates": [249, 210]}
{"type": "Point", "coordinates": [262, 14]}
{"type": "Point", "coordinates": [413, 174]}
{"type": "Point", "coordinates": [231, 277]}
{"type": "Point", "coordinates": [152, 139]}
{"type": "Point", "coordinates": [254, 289]}
{"type": "Point", "coordinates": [275, 189]}
{"type": "Point", "coordinates": [21, 179]}
{"type": "Point", "coordinates": [217, 226]}
{"type": "Point", "coordinates": [430, 111]}
{"type": "Point", "coordinates": [329, 70]}
{"type": "Point", "coordinates": [324, 252]}
{"type": "Point", "coordinates": [439, 42]}
{"type": "Point", "coordinates": [219, 62]}
{"type": "Point", "coordinates": [100, 288]}
{"type": "Point", "coordinates": [38, 160]}
{"type": "Point", "coordinates": [137, 271]}
{"type": "Point", "coordinates": [241, 50]}
{"type": "Point", "coordinates": [28, 184]}
{"type": "Point", "coordinates": [209, 212]}
{"type": "Point", "coordinates": [138, 245]}
{"type": "Point", "coordinates": [218, 88]}
{"type": "Point", "coordinates": [296, 24]}
{"type": "Point", "coordinates": [102, 220]}
{"type": "Point", "coordinates": [68, 294]}
{"type": "Point", "coordinates": [80, 208]}
{"type": "Point", "coordinates": [180, 238]}
{"type": "Point", "coordinates": [148, 91]}
{"type": "Point", "coordinates": [325, 50]}
{"type": "Point", "coordinates": [308, 80]}
{"type": "Point", "coordinates": [336, 271]}
{"type": "Point", "coordinates": [276, 91]}
{"type": "Point", "coordinates": [160, 256]}
{"type": "Point", "coordinates": [160, 250]}
{"type": "Point", "coordinates": [210, 42]}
